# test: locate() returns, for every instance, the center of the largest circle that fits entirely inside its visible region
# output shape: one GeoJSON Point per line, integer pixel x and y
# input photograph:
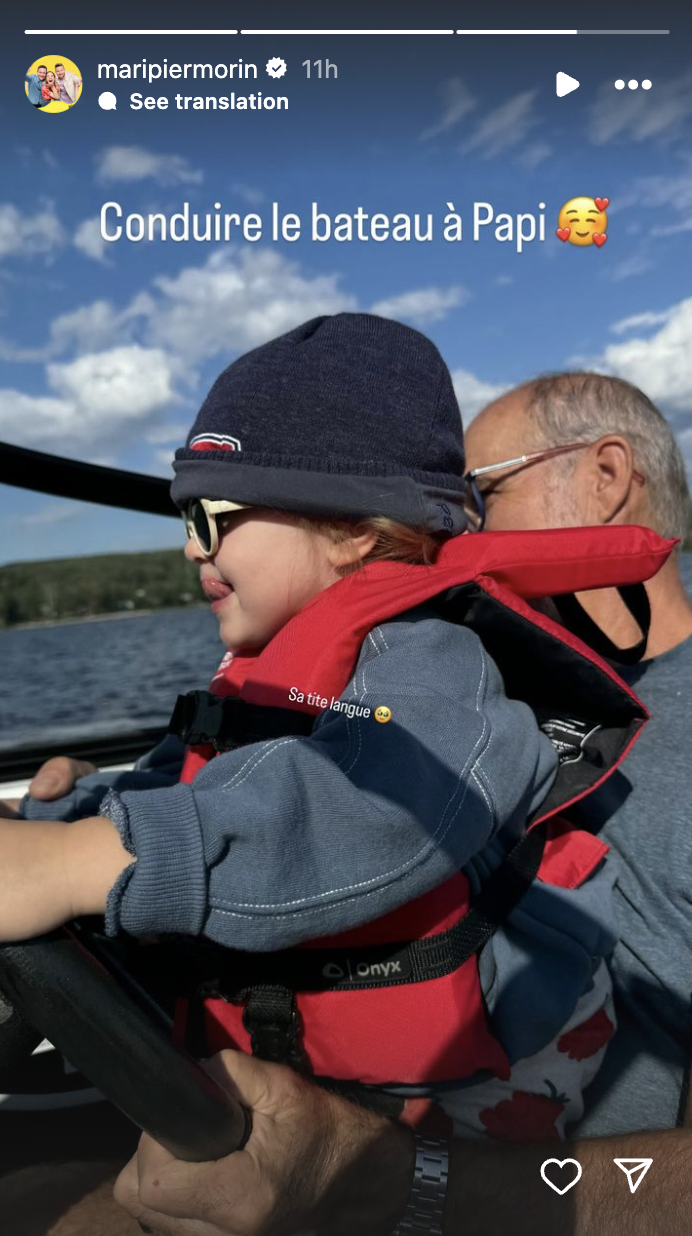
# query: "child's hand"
{"type": "Point", "coordinates": [52, 872]}
{"type": "Point", "coordinates": [34, 889]}
{"type": "Point", "coordinates": [57, 777]}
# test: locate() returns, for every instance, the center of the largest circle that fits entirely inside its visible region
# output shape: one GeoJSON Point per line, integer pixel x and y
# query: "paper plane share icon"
{"type": "Point", "coordinates": [635, 1171]}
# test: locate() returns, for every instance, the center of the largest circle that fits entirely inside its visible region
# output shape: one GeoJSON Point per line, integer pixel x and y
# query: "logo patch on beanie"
{"type": "Point", "coordinates": [214, 442]}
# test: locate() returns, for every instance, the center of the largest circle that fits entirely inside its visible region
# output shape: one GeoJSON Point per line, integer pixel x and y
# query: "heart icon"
{"type": "Point", "coordinates": [599, 238]}
{"type": "Point", "coordinates": [564, 233]}
{"type": "Point", "coordinates": [562, 1163]}
{"type": "Point", "coordinates": [601, 203]}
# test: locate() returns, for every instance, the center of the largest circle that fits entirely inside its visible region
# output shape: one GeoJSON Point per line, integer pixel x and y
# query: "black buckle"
{"type": "Point", "coordinates": [271, 1020]}
{"type": "Point", "coordinates": [198, 717]}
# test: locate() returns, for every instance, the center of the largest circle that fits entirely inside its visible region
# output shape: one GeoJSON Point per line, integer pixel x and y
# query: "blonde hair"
{"type": "Point", "coordinates": [395, 542]}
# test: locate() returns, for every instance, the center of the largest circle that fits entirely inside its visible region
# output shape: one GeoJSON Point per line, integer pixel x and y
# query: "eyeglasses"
{"type": "Point", "coordinates": [199, 517]}
{"type": "Point", "coordinates": [474, 504]}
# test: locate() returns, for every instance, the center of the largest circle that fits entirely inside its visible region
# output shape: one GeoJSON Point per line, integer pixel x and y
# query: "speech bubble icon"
{"type": "Point", "coordinates": [107, 101]}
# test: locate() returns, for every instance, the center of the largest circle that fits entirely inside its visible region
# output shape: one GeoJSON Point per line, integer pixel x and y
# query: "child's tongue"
{"type": "Point", "coordinates": [215, 589]}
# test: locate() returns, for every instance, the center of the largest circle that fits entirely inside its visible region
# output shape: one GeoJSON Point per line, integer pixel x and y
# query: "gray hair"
{"type": "Point", "coordinates": [582, 407]}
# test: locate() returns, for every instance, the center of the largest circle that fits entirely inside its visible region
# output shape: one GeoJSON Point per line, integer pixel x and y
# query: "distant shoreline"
{"type": "Point", "coordinates": [119, 613]}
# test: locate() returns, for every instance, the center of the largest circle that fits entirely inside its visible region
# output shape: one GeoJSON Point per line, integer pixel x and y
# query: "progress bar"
{"type": "Point", "coordinates": [563, 31]}
{"type": "Point", "coordinates": [339, 32]}
{"type": "Point", "coordinates": [132, 32]}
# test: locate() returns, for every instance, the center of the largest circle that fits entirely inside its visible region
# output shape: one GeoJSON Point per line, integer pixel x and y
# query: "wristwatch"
{"type": "Point", "coordinates": [423, 1214]}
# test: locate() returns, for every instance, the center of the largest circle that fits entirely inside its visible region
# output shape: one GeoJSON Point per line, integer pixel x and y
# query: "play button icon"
{"type": "Point", "coordinates": [564, 84]}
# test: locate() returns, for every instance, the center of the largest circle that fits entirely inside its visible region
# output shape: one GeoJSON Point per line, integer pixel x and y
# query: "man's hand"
{"type": "Point", "coordinates": [314, 1163]}
{"type": "Point", "coordinates": [317, 1164]}
{"type": "Point", "coordinates": [9, 808]}
{"type": "Point", "coordinates": [57, 777]}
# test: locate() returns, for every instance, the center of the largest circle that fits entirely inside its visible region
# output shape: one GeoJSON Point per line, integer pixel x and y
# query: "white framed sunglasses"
{"type": "Point", "coordinates": [199, 517]}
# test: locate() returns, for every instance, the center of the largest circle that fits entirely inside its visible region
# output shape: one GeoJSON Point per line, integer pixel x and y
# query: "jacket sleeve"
{"type": "Point", "coordinates": [286, 840]}
{"type": "Point", "coordinates": [158, 768]}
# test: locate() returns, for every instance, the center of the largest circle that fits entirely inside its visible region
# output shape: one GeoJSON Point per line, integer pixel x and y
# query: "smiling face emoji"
{"type": "Point", "coordinates": [583, 221]}
{"type": "Point", "coordinates": [382, 714]}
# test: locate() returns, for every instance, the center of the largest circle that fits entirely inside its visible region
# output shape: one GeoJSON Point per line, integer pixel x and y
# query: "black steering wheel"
{"type": "Point", "coordinates": [74, 988]}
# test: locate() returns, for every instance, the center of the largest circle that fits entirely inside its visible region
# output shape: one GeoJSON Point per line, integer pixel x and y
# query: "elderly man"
{"type": "Point", "coordinates": [565, 450]}
{"type": "Point", "coordinates": [599, 452]}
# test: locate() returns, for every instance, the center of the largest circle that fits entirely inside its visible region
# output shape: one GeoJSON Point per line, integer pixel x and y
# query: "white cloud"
{"type": "Point", "coordinates": [641, 114]}
{"type": "Point", "coordinates": [249, 194]}
{"type": "Point", "coordinates": [638, 320]}
{"type": "Point", "coordinates": [660, 364]}
{"type": "Point", "coordinates": [132, 163]}
{"type": "Point", "coordinates": [89, 241]}
{"type": "Point", "coordinates": [26, 234]}
{"type": "Point", "coordinates": [422, 306]}
{"type": "Point", "coordinates": [95, 327]}
{"type": "Point", "coordinates": [50, 514]}
{"type": "Point", "coordinates": [127, 383]}
{"type": "Point", "coordinates": [473, 394]}
{"type": "Point", "coordinates": [34, 420]}
{"type": "Point", "coordinates": [232, 302]}
{"type": "Point", "coordinates": [457, 102]}
{"type": "Point", "coordinates": [13, 353]}
{"type": "Point", "coordinates": [167, 433]}
{"type": "Point", "coordinates": [505, 127]}
{"type": "Point", "coordinates": [237, 301]}
{"type": "Point", "coordinates": [534, 154]}
{"type": "Point", "coordinates": [124, 366]}
{"type": "Point", "coordinates": [162, 462]}
{"type": "Point", "coordinates": [95, 400]}
{"type": "Point", "coordinates": [635, 264]}
{"type": "Point", "coordinates": [29, 157]}
{"type": "Point", "coordinates": [657, 358]}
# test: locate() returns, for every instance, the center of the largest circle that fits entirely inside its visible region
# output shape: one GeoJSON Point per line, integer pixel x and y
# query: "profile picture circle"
{"type": "Point", "coordinates": [53, 84]}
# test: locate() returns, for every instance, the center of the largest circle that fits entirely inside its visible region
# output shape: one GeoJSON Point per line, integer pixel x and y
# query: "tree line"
{"type": "Point", "coordinates": [104, 584]}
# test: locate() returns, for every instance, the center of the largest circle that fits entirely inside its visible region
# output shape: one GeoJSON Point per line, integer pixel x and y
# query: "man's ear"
{"type": "Point", "coordinates": [608, 466]}
{"type": "Point", "coordinates": [354, 549]}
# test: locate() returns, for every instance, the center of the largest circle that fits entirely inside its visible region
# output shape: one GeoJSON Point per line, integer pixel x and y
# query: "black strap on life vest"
{"type": "Point", "coordinates": [271, 1019]}
{"type": "Point", "coordinates": [200, 718]}
{"type": "Point", "coordinates": [268, 982]}
{"type": "Point", "coordinates": [575, 618]}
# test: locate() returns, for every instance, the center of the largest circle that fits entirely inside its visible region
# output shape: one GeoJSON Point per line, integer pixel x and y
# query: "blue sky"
{"type": "Point", "coordinates": [106, 350]}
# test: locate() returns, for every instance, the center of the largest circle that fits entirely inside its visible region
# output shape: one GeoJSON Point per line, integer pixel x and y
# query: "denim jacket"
{"type": "Point", "coordinates": [299, 837]}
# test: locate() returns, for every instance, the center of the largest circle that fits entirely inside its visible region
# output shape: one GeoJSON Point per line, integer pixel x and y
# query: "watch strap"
{"type": "Point", "coordinates": [423, 1214]}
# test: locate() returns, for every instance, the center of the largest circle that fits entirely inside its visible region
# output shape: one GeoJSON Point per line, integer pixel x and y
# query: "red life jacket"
{"type": "Point", "coordinates": [360, 1002]}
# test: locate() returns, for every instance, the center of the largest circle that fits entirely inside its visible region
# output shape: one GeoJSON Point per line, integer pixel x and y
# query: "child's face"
{"type": "Point", "coordinates": [265, 569]}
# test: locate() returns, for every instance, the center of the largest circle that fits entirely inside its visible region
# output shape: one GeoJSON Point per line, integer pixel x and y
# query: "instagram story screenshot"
{"type": "Point", "coordinates": [345, 620]}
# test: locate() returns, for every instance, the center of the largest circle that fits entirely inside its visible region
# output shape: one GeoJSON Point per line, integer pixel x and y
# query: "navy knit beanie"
{"type": "Point", "coordinates": [344, 417]}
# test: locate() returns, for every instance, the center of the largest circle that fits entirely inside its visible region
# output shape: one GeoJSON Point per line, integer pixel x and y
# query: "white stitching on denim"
{"type": "Point", "coordinates": [461, 782]}
{"type": "Point", "coordinates": [280, 742]}
{"type": "Point", "coordinates": [476, 776]}
{"type": "Point", "coordinates": [216, 908]}
{"type": "Point", "coordinates": [360, 697]}
{"type": "Point", "coordinates": [405, 868]}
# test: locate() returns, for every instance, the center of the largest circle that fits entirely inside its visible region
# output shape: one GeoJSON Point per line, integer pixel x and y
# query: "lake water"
{"type": "Point", "coordinates": [111, 675]}
{"type": "Point", "coordinates": [102, 677]}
